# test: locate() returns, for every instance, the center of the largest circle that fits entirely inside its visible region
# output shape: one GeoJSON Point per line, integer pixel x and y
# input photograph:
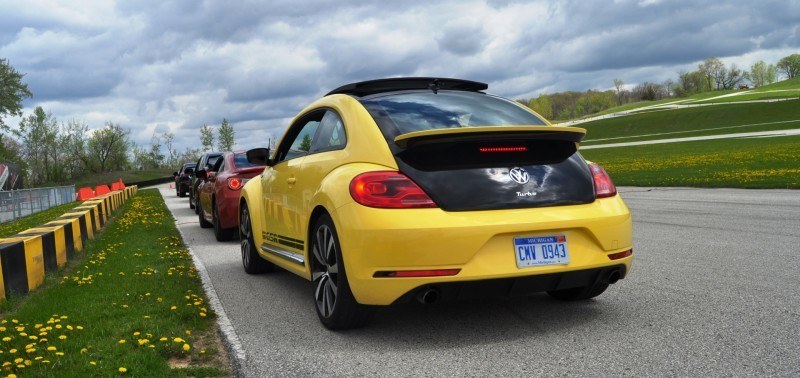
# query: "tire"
{"type": "Point", "coordinates": [191, 201]}
{"type": "Point", "coordinates": [181, 191]}
{"type": "Point", "coordinates": [579, 293]}
{"type": "Point", "coordinates": [252, 262]}
{"type": "Point", "coordinates": [178, 190]}
{"type": "Point", "coordinates": [203, 222]}
{"type": "Point", "coordinates": [221, 234]}
{"type": "Point", "coordinates": [334, 302]}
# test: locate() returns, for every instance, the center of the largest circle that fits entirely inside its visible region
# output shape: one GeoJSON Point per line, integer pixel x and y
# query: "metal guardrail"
{"type": "Point", "coordinates": [16, 204]}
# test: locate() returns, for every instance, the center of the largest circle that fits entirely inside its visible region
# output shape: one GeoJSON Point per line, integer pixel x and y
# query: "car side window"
{"type": "Point", "coordinates": [220, 165]}
{"type": "Point", "coordinates": [332, 135]}
{"type": "Point", "coordinates": [299, 138]}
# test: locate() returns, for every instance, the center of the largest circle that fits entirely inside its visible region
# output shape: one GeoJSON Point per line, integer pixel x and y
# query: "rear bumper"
{"type": "Point", "coordinates": [479, 243]}
{"type": "Point", "coordinates": [517, 286]}
{"type": "Point", "coordinates": [228, 207]}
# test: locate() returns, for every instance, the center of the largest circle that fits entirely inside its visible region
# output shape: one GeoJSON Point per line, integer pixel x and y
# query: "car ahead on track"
{"type": "Point", "coordinates": [205, 164]}
{"type": "Point", "coordinates": [422, 188]}
{"type": "Point", "coordinates": [218, 193]}
{"type": "Point", "coordinates": [183, 179]}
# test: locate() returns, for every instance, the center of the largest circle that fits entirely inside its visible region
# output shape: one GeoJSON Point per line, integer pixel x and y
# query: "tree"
{"type": "Point", "coordinates": [712, 69]}
{"type": "Point", "coordinates": [790, 65]}
{"type": "Point", "coordinates": [727, 78]}
{"type": "Point", "coordinates": [690, 83]}
{"type": "Point", "coordinates": [305, 144]}
{"type": "Point", "coordinates": [761, 74]}
{"type": "Point", "coordinates": [189, 155]}
{"type": "Point", "coordinates": [618, 85]}
{"type": "Point", "coordinates": [169, 141]}
{"type": "Point", "coordinates": [74, 143]}
{"type": "Point", "coordinates": [226, 134]}
{"type": "Point", "coordinates": [39, 135]}
{"type": "Point", "coordinates": [156, 157]}
{"type": "Point", "coordinates": [107, 148]}
{"type": "Point", "coordinates": [207, 137]}
{"type": "Point", "coordinates": [12, 92]}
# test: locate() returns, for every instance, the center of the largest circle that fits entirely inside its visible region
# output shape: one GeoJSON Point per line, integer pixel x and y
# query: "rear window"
{"type": "Point", "coordinates": [240, 161]}
{"type": "Point", "coordinates": [406, 112]}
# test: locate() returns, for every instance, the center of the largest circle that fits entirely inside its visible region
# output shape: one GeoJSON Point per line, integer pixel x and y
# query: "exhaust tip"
{"type": "Point", "coordinates": [614, 276]}
{"type": "Point", "coordinates": [428, 295]}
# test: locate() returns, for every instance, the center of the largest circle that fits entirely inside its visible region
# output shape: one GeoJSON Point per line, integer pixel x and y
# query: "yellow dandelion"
{"type": "Point", "coordinates": [137, 333]}
{"type": "Point", "coordinates": [69, 327]}
{"type": "Point", "coordinates": [62, 337]}
{"type": "Point", "coordinates": [202, 314]}
{"type": "Point", "coordinates": [122, 370]}
{"type": "Point", "coordinates": [51, 348]}
{"type": "Point", "coordinates": [186, 347]}
{"type": "Point", "coordinates": [31, 350]}
{"type": "Point", "coordinates": [6, 339]}
{"type": "Point", "coordinates": [122, 341]}
{"type": "Point", "coordinates": [18, 360]}
{"type": "Point", "coordinates": [92, 363]}
{"type": "Point", "coordinates": [79, 328]}
{"type": "Point", "coordinates": [12, 351]}
{"type": "Point", "coordinates": [59, 353]}
{"type": "Point", "coordinates": [143, 341]}
{"type": "Point", "coordinates": [12, 376]}
{"type": "Point", "coordinates": [202, 351]}
{"type": "Point", "coordinates": [173, 307]}
{"type": "Point", "coordinates": [188, 332]}
{"type": "Point", "coordinates": [2, 329]}
{"type": "Point", "coordinates": [162, 339]}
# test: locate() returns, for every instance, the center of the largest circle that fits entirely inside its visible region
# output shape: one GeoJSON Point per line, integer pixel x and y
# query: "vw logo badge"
{"type": "Point", "coordinates": [519, 175]}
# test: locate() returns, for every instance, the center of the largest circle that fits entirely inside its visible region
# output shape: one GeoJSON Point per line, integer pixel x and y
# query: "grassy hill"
{"type": "Point", "coordinates": [743, 162]}
{"type": "Point", "coordinates": [126, 176]}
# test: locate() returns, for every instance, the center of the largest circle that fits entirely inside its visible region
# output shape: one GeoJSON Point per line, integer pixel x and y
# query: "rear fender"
{"type": "Point", "coordinates": [250, 196]}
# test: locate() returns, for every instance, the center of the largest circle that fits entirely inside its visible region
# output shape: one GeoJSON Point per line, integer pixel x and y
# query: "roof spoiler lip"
{"type": "Point", "coordinates": [370, 87]}
{"type": "Point", "coordinates": [572, 134]}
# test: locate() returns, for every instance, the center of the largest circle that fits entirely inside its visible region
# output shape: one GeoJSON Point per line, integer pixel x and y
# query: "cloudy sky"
{"type": "Point", "coordinates": [157, 66]}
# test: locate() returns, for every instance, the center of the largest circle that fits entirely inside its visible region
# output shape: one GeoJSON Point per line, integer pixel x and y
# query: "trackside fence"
{"type": "Point", "coordinates": [16, 204]}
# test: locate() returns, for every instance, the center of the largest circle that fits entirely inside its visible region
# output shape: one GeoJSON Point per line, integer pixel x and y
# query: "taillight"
{"type": "Point", "coordinates": [388, 189]}
{"type": "Point", "coordinates": [603, 186]}
{"type": "Point", "coordinates": [235, 183]}
{"type": "Point", "coordinates": [503, 149]}
{"type": "Point", "coordinates": [620, 255]}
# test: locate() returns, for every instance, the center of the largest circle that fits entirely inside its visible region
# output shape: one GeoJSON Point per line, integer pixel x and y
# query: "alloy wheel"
{"type": "Point", "coordinates": [325, 274]}
{"type": "Point", "coordinates": [244, 229]}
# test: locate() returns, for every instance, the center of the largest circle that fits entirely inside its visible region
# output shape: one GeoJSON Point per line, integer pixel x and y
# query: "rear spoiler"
{"type": "Point", "coordinates": [489, 133]}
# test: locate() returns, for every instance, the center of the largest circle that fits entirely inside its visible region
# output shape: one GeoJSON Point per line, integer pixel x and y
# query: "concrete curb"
{"type": "Point", "coordinates": [230, 339]}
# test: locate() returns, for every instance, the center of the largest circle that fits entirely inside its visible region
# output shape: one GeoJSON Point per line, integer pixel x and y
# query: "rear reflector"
{"type": "Point", "coordinates": [620, 255]}
{"type": "Point", "coordinates": [603, 186]}
{"type": "Point", "coordinates": [503, 149]}
{"type": "Point", "coordinates": [418, 273]}
{"type": "Point", "coordinates": [388, 189]}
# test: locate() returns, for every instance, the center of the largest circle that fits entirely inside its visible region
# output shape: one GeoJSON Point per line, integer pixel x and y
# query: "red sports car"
{"type": "Point", "coordinates": [219, 193]}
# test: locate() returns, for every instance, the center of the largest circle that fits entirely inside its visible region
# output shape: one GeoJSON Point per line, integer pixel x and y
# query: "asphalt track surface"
{"type": "Point", "coordinates": [715, 290]}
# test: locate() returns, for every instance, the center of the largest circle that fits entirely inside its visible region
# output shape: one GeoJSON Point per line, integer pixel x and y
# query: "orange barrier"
{"type": "Point", "coordinates": [85, 194]}
{"type": "Point", "coordinates": [101, 190]}
{"type": "Point", "coordinates": [115, 186]}
{"type": "Point", "coordinates": [121, 184]}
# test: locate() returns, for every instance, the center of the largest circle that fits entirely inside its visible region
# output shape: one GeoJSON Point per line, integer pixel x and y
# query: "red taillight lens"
{"type": "Point", "coordinates": [603, 186]}
{"type": "Point", "coordinates": [235, 183]}
{"type": "Point", "coordinates": [388, 189]}
{"type": "Point", "coordinates": [504, 149]}
{"type": "Point", "coordinates": [418, 273]}
{"type": "Point", "coordinates": [620, 255]}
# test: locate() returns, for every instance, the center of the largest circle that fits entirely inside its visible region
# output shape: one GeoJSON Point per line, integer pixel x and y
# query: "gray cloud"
{"type": "Point", "coordinates": [177, 65]}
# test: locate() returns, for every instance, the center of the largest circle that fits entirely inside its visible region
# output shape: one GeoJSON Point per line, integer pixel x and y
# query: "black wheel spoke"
{"type": "Point", "coordinates": [325, 270]}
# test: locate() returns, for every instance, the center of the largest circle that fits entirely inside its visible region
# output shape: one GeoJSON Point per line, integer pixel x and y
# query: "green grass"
{"type": "Point", "coordinates": [133, 285]}
{"type": "Point", "coordinates": [13, 227]}
{"type": "Point", "coordinates": [750, 96]}
{"type": "Point", "coordinates": [793, 83]}
{"type": "Point", "coordinates": [733, 163]}
{"type": "Point", "coordinates": [692, 119]}
{"type": "Point", "coordinates": [94, 180]}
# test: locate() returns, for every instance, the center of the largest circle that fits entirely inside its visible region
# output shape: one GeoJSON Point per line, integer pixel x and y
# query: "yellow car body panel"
{"type": "Point", "coordinates": [479, 243]}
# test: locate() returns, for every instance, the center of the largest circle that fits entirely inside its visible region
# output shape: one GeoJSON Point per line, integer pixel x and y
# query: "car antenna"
{"type": "Point", "coordinates": [434, 86]}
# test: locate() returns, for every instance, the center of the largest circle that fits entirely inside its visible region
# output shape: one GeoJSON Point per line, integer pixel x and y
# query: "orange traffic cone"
{"type": "Point", "coordinates": [172, 186]}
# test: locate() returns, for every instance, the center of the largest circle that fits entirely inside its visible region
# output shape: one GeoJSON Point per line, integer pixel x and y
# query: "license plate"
{"type": "Point", "coordinates": [541, 250]}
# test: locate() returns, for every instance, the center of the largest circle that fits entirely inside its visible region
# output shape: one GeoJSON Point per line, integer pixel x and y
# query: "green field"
{"type": "Point", "coordinates": [130, 304]}
{"type": "Point", "coordinates": [126, 176]}
{"type": "Point", "coordinates": [692, 119]}
{"type": "Point", "coordinates": [10, 228]}
{"type": "Point", "coordinates": [732, 163]}
{"type": "Point", "coordinates": [751, 96]}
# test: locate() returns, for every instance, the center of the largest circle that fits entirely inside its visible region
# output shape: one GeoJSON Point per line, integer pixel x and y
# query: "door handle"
{"type": "Point", "coordinates": [291, 180]}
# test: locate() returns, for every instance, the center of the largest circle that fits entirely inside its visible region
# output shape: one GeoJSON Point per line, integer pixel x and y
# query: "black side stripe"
{"type": "Point", "coordinates": [15, 270]}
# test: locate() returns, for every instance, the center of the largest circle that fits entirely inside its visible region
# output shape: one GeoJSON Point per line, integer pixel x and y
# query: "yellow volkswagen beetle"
{"type": "Point", "coordinates": [427, 188]}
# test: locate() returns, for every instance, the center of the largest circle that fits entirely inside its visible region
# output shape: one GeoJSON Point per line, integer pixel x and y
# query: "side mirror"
{"type": "Point", "coordinates": [174, 174]}
{"type": "Point", "coordinates": [201, 174]}
{"type": "Point", "coordinates": [259, 156]}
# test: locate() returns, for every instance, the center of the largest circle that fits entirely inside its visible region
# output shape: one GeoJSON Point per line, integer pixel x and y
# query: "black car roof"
{"type": "Point", "coordinates": [370, 87]}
